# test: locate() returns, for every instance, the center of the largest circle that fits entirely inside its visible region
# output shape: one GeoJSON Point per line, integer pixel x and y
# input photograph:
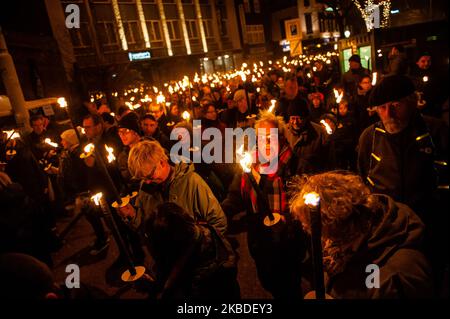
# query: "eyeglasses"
{"type": "Point", "coordinates": [150, 176]}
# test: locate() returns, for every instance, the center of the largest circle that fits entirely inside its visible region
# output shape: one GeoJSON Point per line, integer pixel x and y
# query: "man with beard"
{"type": "Point", "coordinates": [396, 155]}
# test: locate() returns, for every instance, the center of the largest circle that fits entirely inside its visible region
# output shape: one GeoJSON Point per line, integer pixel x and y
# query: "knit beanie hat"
{"type": "Point", "coordinates": [298, 107]}
{"type": "Point", "coordinates": [131, 122]}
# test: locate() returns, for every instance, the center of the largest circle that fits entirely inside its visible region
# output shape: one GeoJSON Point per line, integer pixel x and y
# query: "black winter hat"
{"type": "Point", "coordinates": [131, 122]}
{"type": "Point", "coordinates": [391, 88]}
{"type": "Point", "coordinates": [355, 58]}
{"type": "Point", "coordinates": [298, 107]}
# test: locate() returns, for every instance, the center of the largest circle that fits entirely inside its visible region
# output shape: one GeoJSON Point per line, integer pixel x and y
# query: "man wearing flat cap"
{"type": "Point", "coordinates": [399, 155]}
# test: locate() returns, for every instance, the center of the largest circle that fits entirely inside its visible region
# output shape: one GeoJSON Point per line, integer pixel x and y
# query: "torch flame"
{"type": "Point", "coordinates": [374, 78]}
{"type": "Point", "coordinates": [49, 142]}
{"type": "Point", "coordinates": [327, 127]}
{"type": "Point", "coordinates": [338, 96]}
{"type": "Point", "coordinates": [62, 102]}
{"type": "Point", "coordinates": [96, 198]}
{"type": "Point", "coordinates": [89, 148]}
{"type": "Point", "coordinates": [160, 98]}
{"type": "Point", "coordinates": [272, 106]}
{"type": "Point", "coordinates": [11, 135]}
{"type": "Point", "coordinates": [311, 199]}
{"type": "Point", "coordinates": [110, 156]}
{"type": "Point", "coordinates": [186, 116]}
{"type": "Point", "coordinates": [246, 162]}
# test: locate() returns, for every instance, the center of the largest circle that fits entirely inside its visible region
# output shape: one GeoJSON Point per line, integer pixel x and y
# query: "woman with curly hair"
{"type": "Point", "coordinates": [361, 229]}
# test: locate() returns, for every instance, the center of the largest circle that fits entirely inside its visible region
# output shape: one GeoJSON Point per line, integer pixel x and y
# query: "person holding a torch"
{"type": "Point", "coordinates": [161, 182]}
{"type": "Point", "coordinates": [72, 179]}
{"type": "Point", "coordinates": [275, 249]}
{"type": "Point", "coordinates": [98, 180]}
{"type": "Point", "coordinates": [405, 156]}
{"type": "Point", "coordinates": [371, 244]}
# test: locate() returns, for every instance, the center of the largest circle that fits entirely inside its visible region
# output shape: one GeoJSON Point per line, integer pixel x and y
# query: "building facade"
{"type": "Point", "coordinates": [152, 40]}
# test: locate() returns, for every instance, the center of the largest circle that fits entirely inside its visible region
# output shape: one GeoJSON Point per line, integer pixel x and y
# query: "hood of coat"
{"type": "Point", "coordinates": [399, 228]}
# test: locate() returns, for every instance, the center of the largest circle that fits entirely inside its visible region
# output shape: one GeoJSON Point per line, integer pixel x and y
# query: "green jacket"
{"type": "Point", "coordinates": [186, 189]}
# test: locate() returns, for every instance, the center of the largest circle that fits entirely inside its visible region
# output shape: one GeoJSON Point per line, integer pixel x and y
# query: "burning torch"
{"type": "Point", "coordinates": [270, 218]}
{"type": "Point", "coordinates": [133, 273]}
{"type": "Point", "coordinates": [312, 200]}
{"type": "Point", "coordinates": [272, 105]}
{"type": "Point", "coordinates": [327, 127]}
{"type": "Point", "coordinates": [10, 147]}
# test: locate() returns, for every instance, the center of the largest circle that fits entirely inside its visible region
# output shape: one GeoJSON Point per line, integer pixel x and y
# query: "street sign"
{"type": "Point", "coordinates": [296, 47]}
{"type": "Point", "coordinates": [294, 36]}
{"type": "Point", "coordinates": [138, 56]}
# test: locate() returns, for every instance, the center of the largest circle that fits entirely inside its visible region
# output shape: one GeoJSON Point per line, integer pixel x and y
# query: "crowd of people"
{"type": "Point", "coordinates": [374, 147]}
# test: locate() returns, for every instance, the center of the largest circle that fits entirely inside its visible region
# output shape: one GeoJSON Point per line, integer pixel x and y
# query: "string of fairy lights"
{"type": "Point", "coordinates": [368, 9]}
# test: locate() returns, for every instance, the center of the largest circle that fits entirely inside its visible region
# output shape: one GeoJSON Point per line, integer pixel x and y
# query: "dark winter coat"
{"type": "Point", "coordinates": [403, 165]}
{"type": "Point", "coordinates": [394, 245]}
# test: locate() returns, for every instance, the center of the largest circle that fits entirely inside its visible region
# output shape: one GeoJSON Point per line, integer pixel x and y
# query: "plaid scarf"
{"type": "Point", "coordinates": [272, 185]}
